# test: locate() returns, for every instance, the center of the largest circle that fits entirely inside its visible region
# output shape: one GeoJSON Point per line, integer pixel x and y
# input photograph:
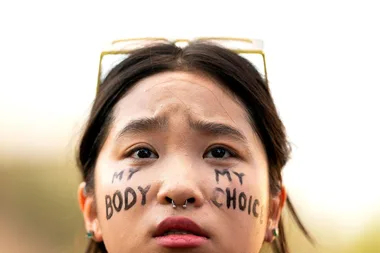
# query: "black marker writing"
{"type": "Point", "coordinates": [214, 198]}
{"type": "Point", "coordinates": [117, 175]}
{"type": "Point", "coordinates": [109, 209]}
{"type": "Point", "coordinates": [242, 201]}
{"type": "Point", "coordinates": [117, 198]}
{"type": "Point", "coordinates": [254, 208]}
{"type": "Point", "coordinates": [129, 203]}
{"type": "Point", "coordinates": [249, 204]}
{"type": "Point", "coordinates": [223, 172]}
{"type": "Point", "coordinates": [240, 176]}
{"type": "Point", "coordinates": [131, 172]}
{"type": "Point", "coordinates": [232, 198]}
{"type": "Point", "coordinates": [227, 173]}
{"type": "Point", "coordinates": [116, 201]}
{"type": "Point", "coordinates": [143, 191]}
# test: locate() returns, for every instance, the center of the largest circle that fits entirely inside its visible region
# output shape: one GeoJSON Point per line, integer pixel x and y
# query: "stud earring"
{"type": "Point", "coordinates": [90, 234]}
{"type": "Point", "coordinates": [275, 232]}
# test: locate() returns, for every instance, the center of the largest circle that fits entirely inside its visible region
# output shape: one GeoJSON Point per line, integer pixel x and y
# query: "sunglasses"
{"type": "Point", "coordinates": [119, 50]}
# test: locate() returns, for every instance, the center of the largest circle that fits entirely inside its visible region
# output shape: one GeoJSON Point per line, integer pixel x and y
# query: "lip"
{"type": "Point", "coordinates": [196, 237]}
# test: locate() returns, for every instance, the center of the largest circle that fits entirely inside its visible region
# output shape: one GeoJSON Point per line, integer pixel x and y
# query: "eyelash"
{"type": "Point", "coordinates": [134, 150]}
{"type": "Point", "coordinates": [232, 154]}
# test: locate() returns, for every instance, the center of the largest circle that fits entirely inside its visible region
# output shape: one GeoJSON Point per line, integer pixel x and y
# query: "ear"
{"type": "Point", "coordinates": [88, 208]}
{"type": "Point", "coordinates": [276, 204]}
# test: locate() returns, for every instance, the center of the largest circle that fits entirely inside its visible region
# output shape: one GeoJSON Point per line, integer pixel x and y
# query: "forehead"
{"type": "Point", "coordinates": [181, 92]}
{"type": "Point", "coordinates": [183, 98]}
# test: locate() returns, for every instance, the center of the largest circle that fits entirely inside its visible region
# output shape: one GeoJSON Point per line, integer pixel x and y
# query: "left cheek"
{"type": "Point", "coordinates": [240, 200]}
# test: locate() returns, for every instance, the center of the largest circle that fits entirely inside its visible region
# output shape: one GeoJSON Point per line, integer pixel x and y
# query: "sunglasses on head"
{"type": "Point", "coordinates": [119, 50]}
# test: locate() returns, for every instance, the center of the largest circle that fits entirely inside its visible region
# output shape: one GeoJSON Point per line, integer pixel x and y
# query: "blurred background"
{"type": "Point", "coordinates": [322, 58]}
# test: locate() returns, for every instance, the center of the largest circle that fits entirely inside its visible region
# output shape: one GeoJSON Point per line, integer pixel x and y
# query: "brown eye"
{"type": "Point", "coordinates": [218, 153]}
{"type": "Point", "coordinates": [142, 153]}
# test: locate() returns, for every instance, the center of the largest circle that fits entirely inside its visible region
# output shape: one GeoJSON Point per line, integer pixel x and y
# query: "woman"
{"type": "Point", "coordinates": [183, 152]}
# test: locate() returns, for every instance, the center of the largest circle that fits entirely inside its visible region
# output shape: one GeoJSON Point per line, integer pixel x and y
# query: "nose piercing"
{"type": "Point", "coordinates": [175, 206]}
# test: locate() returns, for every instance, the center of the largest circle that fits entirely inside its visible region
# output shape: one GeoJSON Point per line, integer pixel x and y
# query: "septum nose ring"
{"type": "Point", "coordinates": [175, 206]}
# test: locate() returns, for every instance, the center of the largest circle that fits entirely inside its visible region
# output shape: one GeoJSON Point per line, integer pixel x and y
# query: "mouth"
{"type": "Point", "coordinates": [180, 232]}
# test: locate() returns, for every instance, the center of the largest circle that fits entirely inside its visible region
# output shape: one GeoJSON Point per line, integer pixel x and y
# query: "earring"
{"type": "Point", "coordinates": [275, 232]}
{"type": "Point", "coordinates": [90, 234]}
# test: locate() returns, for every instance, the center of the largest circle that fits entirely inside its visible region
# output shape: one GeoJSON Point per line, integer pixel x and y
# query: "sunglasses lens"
{"type": "Point", "coordinates": [109, 61]}
{"type": "Point", "coordinates": [118, 51]}
{"type": "Point", "coordinates": [255, 46]}
{"type": "Point", "coordinates": [135, 44]}
{"type": "Point", "coordinates": [257, 60]}
{"type": "Point", "coordinates": [237, 44]}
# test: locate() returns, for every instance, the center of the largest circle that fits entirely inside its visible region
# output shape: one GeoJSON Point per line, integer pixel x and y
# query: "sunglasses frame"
{"type": "Point", "coordinates": [187, 41]}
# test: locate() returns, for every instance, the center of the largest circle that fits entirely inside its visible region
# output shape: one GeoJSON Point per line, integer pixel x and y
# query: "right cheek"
{"type": "Point", "coordinates": [118, 201]}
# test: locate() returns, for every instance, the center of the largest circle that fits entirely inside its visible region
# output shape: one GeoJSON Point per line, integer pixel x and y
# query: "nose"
{"type": "Point", "coordinates": [183, 194]}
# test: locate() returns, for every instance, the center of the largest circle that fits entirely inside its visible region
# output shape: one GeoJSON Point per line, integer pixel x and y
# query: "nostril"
{"type": "Point", "coordinates": [189, 200]}
{"type": "Point", "coordinates": [169, 200]}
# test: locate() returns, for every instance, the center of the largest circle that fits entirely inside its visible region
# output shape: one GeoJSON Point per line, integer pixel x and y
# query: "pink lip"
{"type": "Point", "coordinates": [195, 238]}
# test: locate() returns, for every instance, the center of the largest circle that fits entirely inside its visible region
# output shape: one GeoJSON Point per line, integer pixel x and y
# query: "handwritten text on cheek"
{"type": "Point", "coordinates": [124, 200]}
{"type": "Point", "coordinates": [233, 198]}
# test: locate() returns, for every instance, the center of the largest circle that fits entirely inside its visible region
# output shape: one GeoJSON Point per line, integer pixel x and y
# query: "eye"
{"type": "Point", "coordinates": [142, 153]}
{"type": "Point", "coordinates": [218, 153]}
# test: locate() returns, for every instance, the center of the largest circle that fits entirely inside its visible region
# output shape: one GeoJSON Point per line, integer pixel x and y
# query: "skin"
{"type": "Point", "coordinates": [181, 166]}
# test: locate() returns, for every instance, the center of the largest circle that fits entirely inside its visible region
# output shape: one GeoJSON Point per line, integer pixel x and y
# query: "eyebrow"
{"type": "Point", "coordinates": [151, 124]}
{"type": "Point", "coordinates": [144, 125]}
{"type": "Point", "coordinates": [218, 129]}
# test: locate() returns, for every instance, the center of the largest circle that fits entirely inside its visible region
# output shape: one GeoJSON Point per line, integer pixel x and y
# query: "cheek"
{"type": "Point", "coordinates": [242, 204]}
{"type": "Point", "coordinates": [120, 196]}
{"type": "Point", "coordinates": [249, 199]}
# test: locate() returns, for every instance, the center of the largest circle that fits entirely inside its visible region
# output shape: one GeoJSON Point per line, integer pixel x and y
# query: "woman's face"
{"type": "Point", "coordinates": [180, 138]}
